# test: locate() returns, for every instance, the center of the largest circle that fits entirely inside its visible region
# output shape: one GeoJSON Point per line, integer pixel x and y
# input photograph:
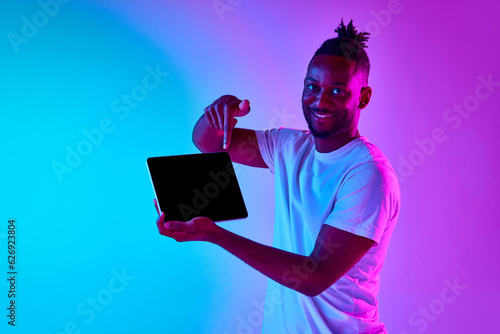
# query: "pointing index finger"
{"type": "Point", "coordinates": [228, 128]}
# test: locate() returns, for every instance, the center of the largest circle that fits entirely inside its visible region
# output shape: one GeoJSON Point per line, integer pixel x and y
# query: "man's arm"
{"type": "Point", "coordinates": [335, 252]}
{"type": "Point", "coordinates": [216, 128]}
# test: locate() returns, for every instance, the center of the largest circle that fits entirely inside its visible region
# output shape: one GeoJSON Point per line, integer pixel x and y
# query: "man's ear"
{"type": "Point", "coordinates": [364, 97]}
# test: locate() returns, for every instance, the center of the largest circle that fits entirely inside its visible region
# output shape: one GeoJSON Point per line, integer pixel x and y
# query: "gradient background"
{"type": "Point", "coordinates": [75, 232]}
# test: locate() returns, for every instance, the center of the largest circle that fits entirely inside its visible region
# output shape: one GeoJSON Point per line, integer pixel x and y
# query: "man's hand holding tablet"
{"type": "Point", "coordinates": [197, 229]}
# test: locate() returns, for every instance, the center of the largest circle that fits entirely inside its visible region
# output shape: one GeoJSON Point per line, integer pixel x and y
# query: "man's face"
{"type": "Point", "coordinates": [331, 96]}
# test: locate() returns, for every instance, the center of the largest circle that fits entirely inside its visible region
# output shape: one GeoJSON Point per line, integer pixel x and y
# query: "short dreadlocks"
{"type": "Point", "coordinates": [350, 45]}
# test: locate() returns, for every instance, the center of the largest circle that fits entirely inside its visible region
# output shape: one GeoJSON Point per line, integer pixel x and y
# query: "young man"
{"type": "Point", "coordinates": [337, 198]}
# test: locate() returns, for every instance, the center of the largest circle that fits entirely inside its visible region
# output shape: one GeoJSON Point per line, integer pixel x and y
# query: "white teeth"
{"type": "Point", "coordinates": [323, 116]}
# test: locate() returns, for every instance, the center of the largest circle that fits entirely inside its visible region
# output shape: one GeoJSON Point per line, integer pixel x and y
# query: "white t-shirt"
{"type": "Point", "coordinates": [353, 189]}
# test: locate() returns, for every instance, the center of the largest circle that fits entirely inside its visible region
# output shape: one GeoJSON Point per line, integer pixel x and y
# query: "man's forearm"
{"type": "Point", "coordinates": [286, 268]}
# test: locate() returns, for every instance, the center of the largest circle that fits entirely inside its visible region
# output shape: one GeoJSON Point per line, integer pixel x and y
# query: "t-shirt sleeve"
{"type": "Point", "coordinates": [268, 141]}
{"type": "Point", "coordinates": [367, 200]}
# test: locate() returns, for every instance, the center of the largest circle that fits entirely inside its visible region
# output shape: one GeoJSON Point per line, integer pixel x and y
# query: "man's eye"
{"type": "Point", "coordinates": [337, 91]}
{"type": "Point", "coordinates": [311, 87]}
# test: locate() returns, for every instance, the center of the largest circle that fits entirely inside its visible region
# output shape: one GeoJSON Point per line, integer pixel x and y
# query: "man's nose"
{"type": "Point", "coordinates": [323, 100]}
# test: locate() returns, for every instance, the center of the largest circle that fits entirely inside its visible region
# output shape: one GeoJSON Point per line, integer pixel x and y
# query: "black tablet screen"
{"type": "Point", "coordinates": [195, 185]}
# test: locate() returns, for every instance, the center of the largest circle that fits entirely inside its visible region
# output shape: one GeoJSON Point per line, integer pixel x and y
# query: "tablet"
{"type": "Point", "coordinates": [197, 185]}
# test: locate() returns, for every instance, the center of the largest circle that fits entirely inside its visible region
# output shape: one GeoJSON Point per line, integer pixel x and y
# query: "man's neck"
{"type": "Point", "coordinates": [330, 144]}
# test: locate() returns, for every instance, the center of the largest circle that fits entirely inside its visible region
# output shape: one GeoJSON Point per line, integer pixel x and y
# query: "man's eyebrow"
{"type": "Point", "coordinates": [333, 83]}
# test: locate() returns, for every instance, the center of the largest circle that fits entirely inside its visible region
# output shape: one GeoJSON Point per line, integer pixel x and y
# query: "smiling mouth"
{"type": "Point", "coordinates": [318, 115]}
